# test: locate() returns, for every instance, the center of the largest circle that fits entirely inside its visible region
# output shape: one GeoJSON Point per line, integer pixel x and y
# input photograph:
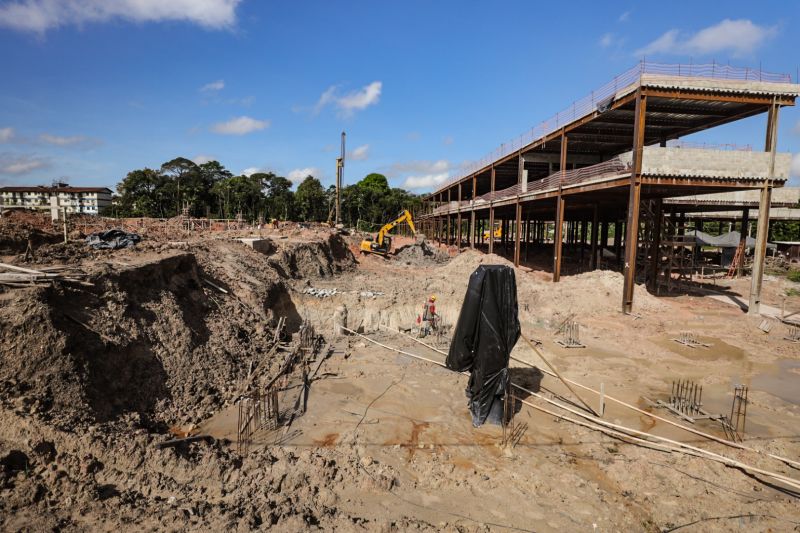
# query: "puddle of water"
{"type": "Point", "coordinates": [783, 381]}
{"type": "Point", "coordinates": [718, 349]}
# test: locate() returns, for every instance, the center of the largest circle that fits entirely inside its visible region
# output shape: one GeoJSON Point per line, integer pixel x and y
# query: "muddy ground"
{"type": "Point", "coordinates": [157, 342]}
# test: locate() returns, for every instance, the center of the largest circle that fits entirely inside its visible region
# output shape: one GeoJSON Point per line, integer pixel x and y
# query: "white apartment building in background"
{"type": "Point", "coordinates": [76, 200]}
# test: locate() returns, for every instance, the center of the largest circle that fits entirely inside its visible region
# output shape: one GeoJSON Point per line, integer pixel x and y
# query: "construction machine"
{"type": "Point", "coordinates": [382, 243]}
{"type": "Point", "coordinates": [498, 232]}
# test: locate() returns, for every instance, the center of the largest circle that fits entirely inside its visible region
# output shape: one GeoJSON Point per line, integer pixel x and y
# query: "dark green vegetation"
{"type": "Point", "coordinates": [210, 190]}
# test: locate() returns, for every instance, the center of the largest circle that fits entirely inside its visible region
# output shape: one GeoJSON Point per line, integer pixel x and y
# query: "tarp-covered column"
{"type": "Point", "coordinates": [486, 332]}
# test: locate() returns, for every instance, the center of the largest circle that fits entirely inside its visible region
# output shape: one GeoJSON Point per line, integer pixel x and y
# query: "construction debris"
{"type": "Point", "coordinates": [320, 293]}
{"type": "Point", "coordinates": [112, 239]}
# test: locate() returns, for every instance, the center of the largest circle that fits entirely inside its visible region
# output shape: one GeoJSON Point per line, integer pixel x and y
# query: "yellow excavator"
{"type": "Point", "coordinates": [498, 232]}
{"type": "Point", "coordinates": [382, 244]}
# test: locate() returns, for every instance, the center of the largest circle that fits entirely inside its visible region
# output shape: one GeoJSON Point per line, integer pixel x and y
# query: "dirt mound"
{"type": "Point", "coordinates": [467, 261]}
{"type": "Point", "coordinates": [420, 254]}
{"type": "Point", "coordinates": [591, 293]}
{"type": "Point", "coordinates": [160, 332]}
{"type": "Point", "coordinates": [146, 339]}
{"type": "Point", "coordinates": [313, 258]}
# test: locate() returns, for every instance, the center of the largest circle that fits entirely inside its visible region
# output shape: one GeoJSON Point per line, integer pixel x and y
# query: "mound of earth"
{"type": "Point", "coordinates": [421, 254]}
{"type": "Point", "coordinates": [153, 333]}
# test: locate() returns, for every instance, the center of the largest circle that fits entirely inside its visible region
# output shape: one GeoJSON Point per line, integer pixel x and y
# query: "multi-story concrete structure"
{"type": "Point", "coordinates": [78, 200]}
{"type": "Point", "coordinates": [605, 160]}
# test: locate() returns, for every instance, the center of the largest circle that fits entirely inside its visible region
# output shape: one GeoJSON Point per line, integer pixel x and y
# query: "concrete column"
{"type": "Point", "coordinates": [634, 200]}
{"type": "Point", "coordinates": [760, 251]}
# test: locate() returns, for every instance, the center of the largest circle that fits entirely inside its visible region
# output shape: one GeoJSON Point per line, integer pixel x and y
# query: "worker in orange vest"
{"type": "Point", "coordinates": [430, 320]}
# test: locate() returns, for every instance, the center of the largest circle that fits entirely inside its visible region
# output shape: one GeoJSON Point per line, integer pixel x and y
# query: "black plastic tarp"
{"type": "Point", "coordinates": [112, 239]}
{"type": "Point", "coordinates": [486, 331]}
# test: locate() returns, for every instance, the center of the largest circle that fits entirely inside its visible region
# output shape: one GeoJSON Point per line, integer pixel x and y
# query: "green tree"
{"type": "Point", "coordinates": [279, 196]}
{"type": "Point", "coordinates": [141, 194]}
{"type": "Point", "coordinates": [310, 200]}
{"type": "Point", "coordinates": [182, 173]}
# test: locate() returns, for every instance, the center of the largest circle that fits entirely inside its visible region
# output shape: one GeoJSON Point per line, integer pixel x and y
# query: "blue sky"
{"type": "Point", "coordinates": [93, 89]}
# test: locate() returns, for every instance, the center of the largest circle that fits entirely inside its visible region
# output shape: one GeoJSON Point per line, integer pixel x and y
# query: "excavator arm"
{"type": "Point", "coordinates": [404, 217]}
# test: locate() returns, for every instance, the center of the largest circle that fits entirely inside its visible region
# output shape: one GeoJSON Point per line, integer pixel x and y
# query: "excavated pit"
{"type": "Point", "coordinates": [153, 336]}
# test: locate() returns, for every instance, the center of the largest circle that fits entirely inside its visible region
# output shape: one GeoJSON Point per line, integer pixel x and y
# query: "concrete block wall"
{"type": "Point", "coordinates": [695, 162]}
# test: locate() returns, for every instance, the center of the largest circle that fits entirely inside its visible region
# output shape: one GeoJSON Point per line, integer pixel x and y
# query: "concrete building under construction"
{"type": "Point", "coordinates": [613, 161]}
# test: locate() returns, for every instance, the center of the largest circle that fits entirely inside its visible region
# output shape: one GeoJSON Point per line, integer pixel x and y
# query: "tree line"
{"type": "Point", "coordinates": [210, 190]}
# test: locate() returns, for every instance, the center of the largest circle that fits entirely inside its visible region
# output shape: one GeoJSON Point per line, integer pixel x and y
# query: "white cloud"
{"type": "Point", "coordinates": [358, 100]}
{"type": "Point", "coordinates": [326, 98]}
{"type": "Point", "coordinates": [351, 102]}
{"type": "Point", "coordinates": [240, 126]}
{"type": "Point", "coordinates": [42, 15]}
{"type": "Point", "coordinates": [624, 17]}
{"type": "Point", "coordinates": [299, 174]}
{"type": "Point", "coordinates": [420, 167]}
{"type": "Point", "coordinates": [360, 153]}
{"type": "Point", "coordinates": [738, 37]}
{"type": "Point", "coordinates": [427, 181]}
{"type": "Point", "coordinates": [249, 171]}
{"type": "Point", "coordinates": [59, 140]}
{"type": "Point", "coordinates": [607, 40]}
{"type": "Point", "coordinates": [794, 171]}
{"type": "Point", "coordinates": [21, 163]}
{"type": "Point", "coordinates": [422, 174]}
{"type": "Point", "coordinates": [6, 134]}
{"type": "Point", "coordinates": [213, 87]}
{"type": "Point", "coordinates": [201, 159]}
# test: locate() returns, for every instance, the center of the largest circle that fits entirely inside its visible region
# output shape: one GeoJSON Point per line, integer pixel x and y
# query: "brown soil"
{"type": "Point", "coordinates": [93, 377]}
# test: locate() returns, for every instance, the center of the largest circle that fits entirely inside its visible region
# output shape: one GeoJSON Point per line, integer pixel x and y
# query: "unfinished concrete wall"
{"type": "Point", "coordinates": [694, 162]}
